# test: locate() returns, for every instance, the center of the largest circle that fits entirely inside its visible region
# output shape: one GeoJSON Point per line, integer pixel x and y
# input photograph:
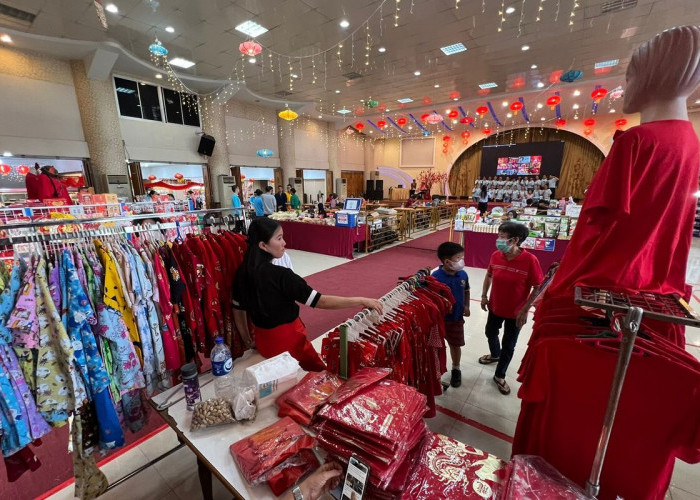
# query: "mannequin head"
{"type": "Point", "coordinates": [664, 69]}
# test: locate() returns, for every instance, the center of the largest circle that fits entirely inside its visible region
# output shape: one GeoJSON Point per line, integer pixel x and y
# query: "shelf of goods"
{"type": "Point", "coordinates": [381, 230]}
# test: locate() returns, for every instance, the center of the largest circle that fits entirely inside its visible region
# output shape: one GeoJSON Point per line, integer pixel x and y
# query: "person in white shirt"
{"type": "Point", "coordinates": [507, 195]}
{"type": "Point", "coordinates": [552, 182]}
{"type": "Point", "coordinates": [284, 261]}
{"type": "Point", "coordinates": [475, 193]}
{"type": "Point", "coordinates": [499, 194]}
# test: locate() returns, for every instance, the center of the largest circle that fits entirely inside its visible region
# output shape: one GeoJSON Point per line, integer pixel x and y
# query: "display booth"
{"type": "Point", "coordinates": [14, 170]}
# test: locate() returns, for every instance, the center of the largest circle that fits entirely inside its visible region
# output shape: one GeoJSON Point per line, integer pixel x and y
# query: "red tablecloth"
{"type": "Point", "coordinates": [328, 240]}
{"type": "Point", "coordinates": [478, 248]}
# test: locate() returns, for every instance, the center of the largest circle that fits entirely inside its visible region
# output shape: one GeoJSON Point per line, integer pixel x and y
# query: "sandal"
{"type": "Point", "coordinates": [486, 359]}
{"type": "Point", "coordinates": [502, 386]}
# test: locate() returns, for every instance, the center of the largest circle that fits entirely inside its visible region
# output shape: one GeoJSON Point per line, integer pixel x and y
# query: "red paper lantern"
{"type": "Point", "coordinates": [5, 169]}
{"type": "Point", "coordinates": [444, 150]}
{"type": "Point", "coordinates": [382, 107]}
{"type": "Point", "coordinates": [360, 126]}
{"type": "Point", "coordinates": [620, 123]}
{"type": "Point", "coordinates": [553, 101]}
{"type": "Point", "coordinates": [466, 134]}
{"type": "Point", "coordinates": [467, 120]}
{"type": "Point", "coordinates": [359, 111]}
{"type": "Point", "coordinates": [454, 95]}
{"type": "Point", "coordinates": [402, 121]}
{"type": "Point", "coordinates": [446, 138]}
{"type": "Point", "coordinates": [589, 123]}
{"type": "Point", "coordinates": [453, 114]}
{"type": "Point", "coordinates": [516, 106]}
{"type": "Point", "coordinates": [23, 169]}
{"type": "Point", "coordinates": [242, 176]}
{"type": "Point", "coordinates": [560, 122]}
{"type": "Point", "coordinates": [381, 124]}
{"type": "Point", "coordinates": [424, 116]}
{"type": "Point", "coordinates": [151, 177]}
{"type": "Point", "coordinates": [250, 48]}
{"type": "Point", "coordinates": [486, 131]}
{"type": "Point", "coordinates": [272, 181]}
{"type": "Point", "coordinates": [427, 100]}
{"type": "Point", "coordinates": [179, 176]}
{"type": "Point", "coordinates": [598, 94]}
{"type": "Point", "coordinates": [481, 111]}
{"type": "Point", "coordinates": [587, 131]}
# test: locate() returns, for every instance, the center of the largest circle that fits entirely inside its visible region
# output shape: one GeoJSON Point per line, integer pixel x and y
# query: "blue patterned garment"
{"type": "Point", "coordinates": [8, 298]}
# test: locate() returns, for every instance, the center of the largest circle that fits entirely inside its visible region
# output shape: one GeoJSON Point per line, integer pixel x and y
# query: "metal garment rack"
{"type": "Point", "coordinates": [667, 308]}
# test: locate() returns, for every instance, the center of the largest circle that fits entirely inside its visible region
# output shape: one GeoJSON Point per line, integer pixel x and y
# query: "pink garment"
{"type": "Point", "coordinates": [23, 321]}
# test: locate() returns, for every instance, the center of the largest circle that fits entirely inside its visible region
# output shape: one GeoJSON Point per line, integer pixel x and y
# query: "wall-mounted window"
{"type": "Point", "coordinates": [142, 100]}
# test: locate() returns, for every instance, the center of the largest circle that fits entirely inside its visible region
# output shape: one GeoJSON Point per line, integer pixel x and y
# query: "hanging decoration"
{"type": "Point", "coordinates": [380, 129]}
{"type": "Point", "coordinates": [560, 122]}
{"type": "Point", "coordinates": [589, 123]}
{"type": "Point", "coordinates": [5, 169]}
{"type": "Point", "coordinates": [181, 186]}
{"type": "Point", "coordinates": [179, 176]}
{"type": "Point", "coordinates": [587, 131]}
{"type": "Point", "coordinates": [493, 114]}
{"type": "Point", "coordinates": [397, 125]}
{"type": "Point", "coordinates": [481, 111]}
{"type": "Point", "coordinates": [424, 116]}
{"type": "Point", "coordinates": [152, 177]}
{"type": "Point", "coordinates": [486, 130]}
{"type": "Point", "coordinates": [288, 115]}
{"type": "Point", "coordinates": [516, 106]}
{"type": "Point", "coordinates": [359, 111]}
{"type": "Point", "coordinates": [371, 103]}
{"type": "Point", "coordinates": [616, 93]}
{"type": "Point", "coordinates": [467, 120]}
{"type": "Point", "coordinates": [524, 110]}
{"type": "Point", "coordinates": [359, 126]}
{"type": "Point", "coordinates": [571, 76]}
{"type": "Point", "coordinates": [620, 123]}
{"type": "Point", "coordinates": [598, 94]}
{"type": "Point", "coordinates": [553, 101]}
{"type": "Point", "coordinates": [417, 122]}
{"type": "Point", "coordinates": [453, 114]}
{"type": "Point", "coordinates": [433, 118]}
{"type": "Point", "coordinates": [426, 133]}
{"type": "Point", "coordinates": [401, 121]}
{"type": "Point", "coordinates": [23, 169]}
{"type": "Point", "coordinates": [242, 177]}
{"type": "Point", "coordinates": [100, 10]}
{"type": "Point", "coordinates": [454, 96]}
{"type": "Point", "coordinates": [445, 144]}
{"type": "Point", "coordinates": [446, 138]}
{"type": "Point", "coordinates": [157, 49]}
{"type": "Point", "coordinates": [381, 124]}
{"type": "Point", "coordinates": [465, 136]}
{"type": "Point", "coordinates": [250, 48]}
{"type": "Point", "coordinates": [428, 178]}
{"type": "Point", "coordinates": [264, 153]}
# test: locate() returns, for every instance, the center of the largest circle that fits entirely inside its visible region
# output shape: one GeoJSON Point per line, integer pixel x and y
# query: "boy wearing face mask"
{"type": "Point", "coordinates": [513, 276]}
{"type": "Point", "coordinates": [452, 274]}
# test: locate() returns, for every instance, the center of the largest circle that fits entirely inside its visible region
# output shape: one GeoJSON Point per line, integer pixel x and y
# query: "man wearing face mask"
{"type": "Point", "coordinates": [452, 274]}
{"type": "Point", "coordinates": [513, 275]}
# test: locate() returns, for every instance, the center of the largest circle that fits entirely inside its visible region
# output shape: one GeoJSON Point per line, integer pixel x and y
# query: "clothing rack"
{"type": "Point", "coordinates": [667, 308]}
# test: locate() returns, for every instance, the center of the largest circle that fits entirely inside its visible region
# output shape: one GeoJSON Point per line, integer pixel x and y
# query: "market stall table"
{"type": "Point", "coordinates": [478, 248]}
{"type": "Point", "coordinates": [211, 446]}
{"type": "Point", "coordinates": [329, 240]}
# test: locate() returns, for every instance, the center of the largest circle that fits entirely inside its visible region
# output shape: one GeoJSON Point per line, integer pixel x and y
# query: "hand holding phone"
{"type": "Point", "coordinates": [355, 479]}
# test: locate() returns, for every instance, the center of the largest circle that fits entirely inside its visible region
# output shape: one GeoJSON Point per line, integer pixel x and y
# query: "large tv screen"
{"type": "Point", "coordinates": [522, 160]}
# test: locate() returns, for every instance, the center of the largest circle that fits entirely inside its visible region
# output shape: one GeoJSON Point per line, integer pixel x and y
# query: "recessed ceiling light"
{"type": "Point", "coordinates": [6, 153]}
{"type": "Point", "coordinates": [509, 115]}
{"type": "Point", "coordinates": [534, 66]}
{"type": "Point", "coordinates": [110, 7]}
{"type": "Point", "coordinates": [612, 110]}
{"type": "Point", "coordinates": [371, 131]}
{"type": "Point", "coordinates": [575, 106]}
{"type": "Point", "coordinates": [294, 75]}
{"type": "Point", "coordinates": [489, 85]}
{"type": "Point", "coordinates": [417, 73]}
{"type": "Point", "coordinates": [337, 91]}
{"type": "Point", "coordinates": [387, 110]}
{"type": "Point", "coordinates": [344, 111]}
{"type": "Point", "coordinates": [404, 100]}
{"type": "Point", "coordinates": [510, 10]}
{"type": "Point", "coordinates": [437, 85]}
{"type": "Point", "coordinates": [577, 93]}
{"type": "Point", "coordinates": [539, 105]}
{"type": "Point", "coordinates": [362, 100]}
{"type": "Point", "coordinates": [697, 102]}
{"type": "Point", "coordinates": [159, 76]}
{"type": "Point", "coordinates": [455, 48]}
{"type": "Point", "coordinates": [606, 64]}
{"type": "Point", "coordinates": [320, 116]}
{"type": "Point", "coordinates": [251, 28]}
{"type": "Point", "coordinates": [170, 29]}
{"type": "Point", "coordinates": [181, 62]}
{"type": "Point", "coordinates": [540, 85]}
{"type": "Point", "coordinates": [410, 127]}
{"type": "Point", "coordinates": [542, 118]}
{"type": "Point", "coordinates": [382, 49]}
{"type": "Point", "coordinates": [344, 23]}
{"type": "Point", "coordinates": [251, 60]}
{"type": "Point", "coordinates": [525, 47]}
{"type": "Point", "coordinates": [5, 38]}
{"type": "Point", "coordinates": [125, 90]}
{"type": "Point", "coordinates": [504, 103]}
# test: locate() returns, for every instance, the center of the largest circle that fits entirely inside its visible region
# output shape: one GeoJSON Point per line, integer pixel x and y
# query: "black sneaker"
{"type": "Point", "coordinates": [456, 379]}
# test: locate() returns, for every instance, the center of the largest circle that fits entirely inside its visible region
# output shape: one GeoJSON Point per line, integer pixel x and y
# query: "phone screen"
{"type": "Point", "coordinates": [355, 479]}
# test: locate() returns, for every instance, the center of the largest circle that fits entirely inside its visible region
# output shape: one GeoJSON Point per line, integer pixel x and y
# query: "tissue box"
{"type": "Point", "coordinates": [272, 378]}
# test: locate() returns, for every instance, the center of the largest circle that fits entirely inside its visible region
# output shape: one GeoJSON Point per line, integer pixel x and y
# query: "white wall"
{"type": "Point", "coordinates": [249, 128]}
{"type": "Point", "coordinates": [157, 141]}
{"type": "Point", "coordinates": [351, 153]}
{"type": "Point", "coordinates": [311, 145]}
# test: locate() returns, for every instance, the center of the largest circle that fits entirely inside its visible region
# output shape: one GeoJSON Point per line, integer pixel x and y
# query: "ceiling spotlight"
{"type": "Point", "coordinates": [159, 76]}
{"type": "Point", "coordinates": [504, 104]}
{"type": "Point", "coordinates": [539, 105]}
{"type": "Point", "coordinates": [534, 66]}
{"type": "Point", "coordinates": [170, 29]}
{"type": "Point", "coordinates": [509, 115]}
{"type": "Point", "coordinates": [382, 49]}
{"type": "Point", "coordinates": [612, 110]}
{"type": "Point", "coordinates": [410, 127]}
{"type": "Point", "coordinates": [437, 85]}
{"type": "Point", "coordinates": [417, 73]}
{"type": "Point", "coordinates": [542, 118]}
{"type": "Point", "coordinates": [337, 91]}
{"type": "Point", "coordinates": [577, 93]}
{"type": "Point", "coordinates": [5, 38]}
{"type": "Point", "coordinates": [525, 47]}
{"type": "Point", "coordinates": [344, 23]}
{"type": "Point", "coordinates": [697, 102]}
{"type": "Point", "coordinates": [540, 85]}
{"type": "Point", "coordinates": [320, 116]}
{"type": "Point", "coordinates": [6, 153]}
{"type": "Point", "coordinates": [252, 60]}
{"type": "Point", "coordinates": [294, 75]}
{"type": "Point", "coordinates": [510, 10]}
{"type": "Point", "coordinates": [575, 106]}
{"type": "Point", "coordinates": [110, 7]}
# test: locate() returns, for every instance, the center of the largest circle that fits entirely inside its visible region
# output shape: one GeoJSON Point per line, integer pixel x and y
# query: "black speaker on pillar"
{"type": "Point", "coordinates": [370, 186]}
{"type": "Point", "coordinates": [206, 145]}
{"type": "Point", "coordinates": [379, 185]}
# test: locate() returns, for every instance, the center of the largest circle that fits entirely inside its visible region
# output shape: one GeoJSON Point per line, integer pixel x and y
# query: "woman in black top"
{"type": "Point", "coordinates": [268, 294]}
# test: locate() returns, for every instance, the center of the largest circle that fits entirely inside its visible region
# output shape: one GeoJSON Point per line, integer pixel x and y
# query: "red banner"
{"type": "Point", "coordinates": [175, 187]}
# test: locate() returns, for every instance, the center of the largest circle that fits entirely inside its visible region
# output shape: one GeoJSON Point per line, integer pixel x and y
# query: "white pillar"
{"type": "Point", "coordinates": [285, 138]}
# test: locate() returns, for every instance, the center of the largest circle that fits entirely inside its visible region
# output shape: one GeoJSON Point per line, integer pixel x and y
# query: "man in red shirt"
{"type": "Point", "coordinates": [515, 274]}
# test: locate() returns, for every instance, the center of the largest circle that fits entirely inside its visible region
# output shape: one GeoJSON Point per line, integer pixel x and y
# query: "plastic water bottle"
{"type": "Point", "coordinates": [221, 368]}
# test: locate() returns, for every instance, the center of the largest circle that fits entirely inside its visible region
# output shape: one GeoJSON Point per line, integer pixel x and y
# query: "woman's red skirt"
{"type": "Point", "coordinates": [289, 337]}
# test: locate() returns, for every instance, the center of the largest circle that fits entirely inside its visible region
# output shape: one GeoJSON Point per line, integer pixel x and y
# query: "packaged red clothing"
{"type": "Point", "coordinates": [268, 452]}
{"type": "Point", "coordinates": [566, 384]}
{"type": "Point", "coordinates": [288, 472]}
{"type": "Point", "coordinates": [530, 477]}
{"type": "Point", "coordinates": [301, 401]}
{"type": "Point", "coordinates": [450, 469]}
{"type": "Point", "coordinates": [358, 382]}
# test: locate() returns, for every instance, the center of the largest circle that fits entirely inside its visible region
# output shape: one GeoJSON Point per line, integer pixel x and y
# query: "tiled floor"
{"type": "Point", "coordinates": [476, 400]}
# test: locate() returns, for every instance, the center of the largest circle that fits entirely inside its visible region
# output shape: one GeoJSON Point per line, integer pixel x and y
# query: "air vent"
{"type": "Point", "coordinates": [283, 93]}
{"type": "Point", "coordinates": [352, 75]}
{"type": "Point", "coordinates": [617, 5]}
{"type": "Point", "coordinates": [15, 18]}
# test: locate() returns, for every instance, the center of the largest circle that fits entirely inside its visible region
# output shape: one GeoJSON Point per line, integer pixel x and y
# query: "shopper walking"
{"type": "Point", "coordinates": [513, 276]}
{"type": "Point", "coordinates": [269, 294]}
{"type": "Point", "coordinates": [269, 201]}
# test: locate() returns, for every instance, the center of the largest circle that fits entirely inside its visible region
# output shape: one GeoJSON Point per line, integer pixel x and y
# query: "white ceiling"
{"type": "Point", "coordinates": [298, 29]}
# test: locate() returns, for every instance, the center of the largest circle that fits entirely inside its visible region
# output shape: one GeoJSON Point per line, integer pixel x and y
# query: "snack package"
{"type": "Point", "coordinates": [271, 378]}
{"type": "Point", "coordinates": [212, 412]}
{"type": "Point", "coordinates": [244, 407]}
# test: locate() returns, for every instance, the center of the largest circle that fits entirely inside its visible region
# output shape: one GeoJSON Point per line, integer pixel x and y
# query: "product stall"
{"type": "Point", "coordinates": [322, 238]}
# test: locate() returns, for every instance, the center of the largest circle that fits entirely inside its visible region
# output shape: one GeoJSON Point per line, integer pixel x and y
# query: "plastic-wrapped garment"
{"type": "Point", "coordinates": [268, 452]}
{"type": "Point", "coordinates": [533, 478]}
{"type": "Point", "coordinates": [360, 381]}
{"type": "Point", "coordinates": [302, 401]}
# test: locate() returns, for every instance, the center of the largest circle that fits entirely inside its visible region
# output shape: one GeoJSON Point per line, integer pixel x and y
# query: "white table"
{"type": "Point", "coordinates": [212, 445]}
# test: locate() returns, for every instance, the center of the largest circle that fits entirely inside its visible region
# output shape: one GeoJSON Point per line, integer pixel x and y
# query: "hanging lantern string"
{"type": "Point", "coordinates": [445, 125]}
{"type": "Point", "coordinates": [417, 122]}
{"type": "Point", "coordinates": [594, 108]}
{"type": "Point", "coordinates": [557, 109]}
{"type": "Point", "coordinates": [464, 114]}
{"type": "Point", "coordinates": [493, 114]}
{"type": "Point", "coordinates": [523, 110]}
{"type": "Point", "coordinates": [375, 126]}
{"type": "Point", "coordinates": [395, 124]}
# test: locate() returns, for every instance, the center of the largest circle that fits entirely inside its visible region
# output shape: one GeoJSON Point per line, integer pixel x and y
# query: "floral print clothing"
{"type": "Point", "coordinates": [16, 433]}
{"type": "Point", "coordinates": [8, 298]}
{"type": "Point", "coordinates": [22, 320]}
